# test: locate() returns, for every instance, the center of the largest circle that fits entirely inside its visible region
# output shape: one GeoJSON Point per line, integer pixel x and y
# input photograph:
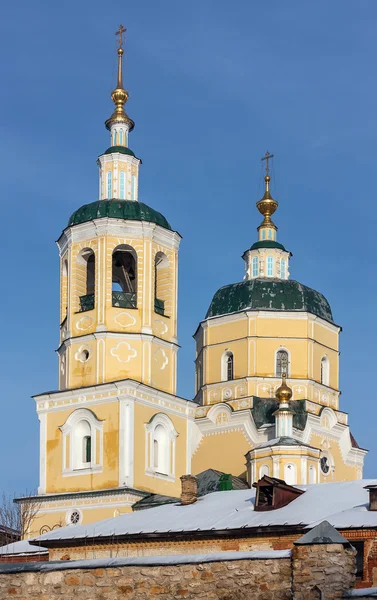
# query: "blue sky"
{"type": "Point", "coordinates": [213, 85]}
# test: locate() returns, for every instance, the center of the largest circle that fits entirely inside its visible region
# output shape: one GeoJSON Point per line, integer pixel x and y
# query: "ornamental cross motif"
{"type": "Point", "coordinates": [267, 157]}
{"type": "Point", "coordinates": [120, 32]}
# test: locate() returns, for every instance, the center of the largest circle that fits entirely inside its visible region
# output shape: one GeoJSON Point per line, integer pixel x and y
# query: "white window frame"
{"type": "Point", "coordinates": [282, 349]}
{"type": "Point", "coordinates": [255, 266]}
{"type": "Point", "coordinates": [164, 421]}
{"type": "Point", "coordinates": [270, 263]}
{"type": "Point", "coordinates": [325, 371]}
{"type": "Point", "coordinates": [283, 272]}
{"type": "Point", "coordinates": [224, 365]}
{"type": "Point", "coordinates": [75, 466]}
{"type": "Point", "coordinates": [290, 467]}
{"type": "Point", "coordinates": [264, 470]}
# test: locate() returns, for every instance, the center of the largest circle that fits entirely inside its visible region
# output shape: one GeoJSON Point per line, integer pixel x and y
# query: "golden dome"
{"type": "Point", "coordinates": [120, 96]}
{"type": "Point", "coordinates": [267, 205]}
{"type": "Point", "coordinates": [284, 392]}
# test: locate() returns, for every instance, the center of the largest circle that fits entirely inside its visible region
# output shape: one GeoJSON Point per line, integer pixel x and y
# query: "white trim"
{"type": "Point", "coordinates": [75, 465]}
{"type": "Point", "coordinates": [282, 349]}
{"type": "Point", "coordinates": [42, 452]}
{"type": "Point", "coordinates": [160, 420]}
{"type": "Point", "coordinates": [126, 442]}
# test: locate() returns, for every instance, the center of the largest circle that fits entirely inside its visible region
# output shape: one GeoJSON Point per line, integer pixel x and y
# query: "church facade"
{"type": "Point", "coordinates": [267, 362]}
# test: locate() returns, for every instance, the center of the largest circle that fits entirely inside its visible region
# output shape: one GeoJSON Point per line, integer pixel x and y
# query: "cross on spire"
{"type": "Point", "coordinates": [267, 157]}
{"type": "Point", "coordinates": [120, 32]}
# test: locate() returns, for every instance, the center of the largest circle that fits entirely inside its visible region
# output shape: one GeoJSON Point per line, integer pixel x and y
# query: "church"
{"type": "Point", "coordinates": [267, 361]}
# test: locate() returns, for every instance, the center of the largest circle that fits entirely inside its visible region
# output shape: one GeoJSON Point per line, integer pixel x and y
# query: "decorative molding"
{"type": "Point", "coordinates": [124, 319]}
{"type": "Point", "coordinates": [123, 352]}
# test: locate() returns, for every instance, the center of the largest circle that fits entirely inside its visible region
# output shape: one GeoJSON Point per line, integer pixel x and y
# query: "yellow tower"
{"type": "Point", "coordinates": [255, 331]}
{"type": "Point", "coordinates": [115, 431]}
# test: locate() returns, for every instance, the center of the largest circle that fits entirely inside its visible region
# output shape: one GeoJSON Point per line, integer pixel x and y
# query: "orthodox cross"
{"type": "Point", "coordinates": [267, 157]}
{"type": "Point", "coordinates": [120, 32]}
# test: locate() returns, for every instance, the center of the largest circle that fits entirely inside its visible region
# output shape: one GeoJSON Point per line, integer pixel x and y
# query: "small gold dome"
{"type": "Point", "coordinates": [284, 392]}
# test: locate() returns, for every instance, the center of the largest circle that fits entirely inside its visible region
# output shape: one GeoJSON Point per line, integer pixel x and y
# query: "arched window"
{"type": "Point", "coordinates": [283, 270]}
{"type": "Point", "coordinates": [87, 449]}
{"type": "Point", "coordinates": [85, 282]}
{"type": "Point", "coordinates": [312, 474]}
{"type": "Point", "coordinates": [255, 266]}
{"type": "Point", "coordinates": [325, 371]}
{"type": "Point", "coordinates": [109, 184]}
{"type": "Point", "coordinates": [315, 594]}
{"type": "Point", "coordinates": [227, 366]}
{"type": "Point", "coordinates": [263, 234]}
{"type": "Point", "coordinates": [264, 470]}
{"type": "Point", "coordinates": [124, 277]}
{"type": "Point", "coordinates": [270, 266]}
{"type": "Point", "coordinates": [270, 234]}
{"type": "Point", "coordinates": [290, 474]}
{"type": "Point", "coordinates": [161, 283]}
{"type": "Point", "coordinates": [121, 137]}
{"type": "Point", "coordinates": [161, 450]}
{"type": "Point", "coordinates": [133, 187]}
{"type": "Point", "coordinates": [282, 363]}
{"type": "Point", "coordinates": [82, 441]}
{"type": "Point", "coordinates": [115, 137]}
{"type": "Point", "coordinates": [198, 375]}
{"type": "Point", "coordinates": [122, 182]}
{"type": "Point", "coordinates": [161, 437]}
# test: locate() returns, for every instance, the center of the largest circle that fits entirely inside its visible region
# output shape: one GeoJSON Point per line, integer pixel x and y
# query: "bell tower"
{"type": "Point", "coordinates": [118, 272]}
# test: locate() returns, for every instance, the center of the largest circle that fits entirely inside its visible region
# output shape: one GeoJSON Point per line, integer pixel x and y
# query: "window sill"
{"type": "Point", "coordinates": [82, 471]}
{"type": "Point", "coordinates": [157, 475]}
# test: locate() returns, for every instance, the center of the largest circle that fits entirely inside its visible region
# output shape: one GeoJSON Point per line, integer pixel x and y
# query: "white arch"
{"type": "Point", "coordinates": [282, 349]}
{"type": "Point", "coordinates": [264, 470]}
{"type": "Point", "coordinates": [160, 447]}
{"type": "Point", "coordinates": [218, 409]}
{"type": "Point", "coordinates": [290, 475]}
{"type": "Point", "coordinates": [312, 474]}
{"type": "Point", "coordinates": [82, 423]}
{"type": "Point", "coordinates": [224, 366]}
{"type": "Point", "coordinates": [325, 370]}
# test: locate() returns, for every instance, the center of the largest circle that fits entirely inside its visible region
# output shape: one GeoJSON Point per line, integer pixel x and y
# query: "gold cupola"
{"type": "Point", "coordinates": [267, 205]}
{"type": "Point", "coordinates": [284, 392]}
{"type": "Point", "coordinates": [120, 96]}
{"type": "Point", "coordinates": [283, 415]}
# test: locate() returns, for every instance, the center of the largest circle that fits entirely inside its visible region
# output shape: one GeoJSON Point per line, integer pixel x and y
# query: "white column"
{"type": "Point", "coordinates": [42, 452]}
{"type": "Point", "coordinates": [126, 442]}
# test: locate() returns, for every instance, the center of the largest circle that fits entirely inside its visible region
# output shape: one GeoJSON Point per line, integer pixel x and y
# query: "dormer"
{"type": "Point", "coordinates": [273, 493]}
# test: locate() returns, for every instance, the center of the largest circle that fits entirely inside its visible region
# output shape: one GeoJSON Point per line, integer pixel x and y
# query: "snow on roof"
{"type": "Point", "coordinates": [343, 504]}
{"type": "Point", "coordinates": [21, 548]}
{"type": "Point", "coordinates": [143, 561]}
{"type": "Point", "coordinates": [362, 593]}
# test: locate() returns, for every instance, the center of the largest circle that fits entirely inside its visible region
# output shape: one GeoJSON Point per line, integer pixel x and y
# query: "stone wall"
{"type": "Point", "coordinates": [322, 571]}
{"type": "Point", "coordinates": [310, 572]}
{"type": "Point", "coordinates": [254, 577]}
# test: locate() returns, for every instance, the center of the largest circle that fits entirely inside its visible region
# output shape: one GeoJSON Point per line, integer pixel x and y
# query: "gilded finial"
{"type": "Point", "coordinates": [120, 96]}
{"type": "Point", "coordinates": [267, 205]}
{"type": "Point", "coordinates": [284, 392]}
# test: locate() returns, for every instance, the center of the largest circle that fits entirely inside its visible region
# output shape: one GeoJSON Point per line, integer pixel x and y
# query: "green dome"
{"type": "Point", "coordinates": [118, 209]}
{"type": "Point", "coordinates": [269, 294]}
{"type": "Point", "coordinates": [121, 149]}
{"type": "Point", "coordinates": [268, 244]}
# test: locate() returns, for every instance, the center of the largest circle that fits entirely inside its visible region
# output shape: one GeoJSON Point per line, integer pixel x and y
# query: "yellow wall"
{"type": "Point", "coordinates": [225, 452]}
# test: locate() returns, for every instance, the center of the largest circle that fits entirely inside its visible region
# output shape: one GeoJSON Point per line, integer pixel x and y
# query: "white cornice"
{"type": "Point", "coordinates": [115, 392]}
{"type": "Point", "coordinates": [106, 226]}
{"type": "Point", "coordinates": [101, 335]}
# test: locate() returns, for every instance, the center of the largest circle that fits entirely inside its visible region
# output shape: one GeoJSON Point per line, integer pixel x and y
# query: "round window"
{"type": "Point", "coordinates": [84, 355]}
{"type": "Point", "coordinates": [325, 465]}
{"type": "Point", "coordinates": [75, 517]}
